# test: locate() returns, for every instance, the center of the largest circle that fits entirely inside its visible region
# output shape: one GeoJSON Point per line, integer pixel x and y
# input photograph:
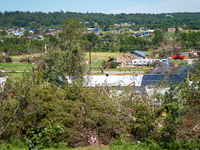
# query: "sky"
{"type": "Point", "coordinates": [102, 6]}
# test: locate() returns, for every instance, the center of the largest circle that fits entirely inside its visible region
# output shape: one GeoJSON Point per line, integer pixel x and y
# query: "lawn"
{"type": "Point", "coordinates": [177, 62]}
{"type": "Point", "coordinates": [16, 67]}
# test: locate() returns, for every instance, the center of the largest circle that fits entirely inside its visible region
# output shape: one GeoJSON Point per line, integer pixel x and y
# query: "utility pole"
{"type": "Point", "coordinates": [96, 52]}
{"type": "Point", "coordinates": [90, 57]}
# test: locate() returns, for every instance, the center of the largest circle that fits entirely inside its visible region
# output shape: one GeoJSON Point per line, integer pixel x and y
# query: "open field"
{"type": "Point", "coordinates": [187, 31]}
{"type": "Point", "coordinates": [16, 67]}
{"type": "Point", "coordinates": [97, 58]}
{"type": "Point", "coordinates": [17, 58]}
{"type": "Point", "coordinates": [100, 56]}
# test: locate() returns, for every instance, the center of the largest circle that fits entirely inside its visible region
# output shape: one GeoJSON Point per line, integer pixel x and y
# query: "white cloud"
{"type": "Point", "coordinates": [167, 6]}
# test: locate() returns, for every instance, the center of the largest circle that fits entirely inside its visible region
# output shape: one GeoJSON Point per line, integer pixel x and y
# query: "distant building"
{"type": "Point", "coordinates": [115, 32]}
{"type": "Point", "coordinates": [38, 36]}
{"type": "Point", "coordinates": [31, 30]}
{"type": "Point", "coordinates": [168, 15]}
{"type": "Point", "coordinates": [149, 31]}
{"type": "Point", "coordinates": [142, 29]}
{"type": "Point", "coordinates": [18, 34]}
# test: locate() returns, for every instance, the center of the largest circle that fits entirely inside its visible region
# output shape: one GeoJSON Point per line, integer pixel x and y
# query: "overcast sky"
{"type": "Point", "coordinates": [102, 6]}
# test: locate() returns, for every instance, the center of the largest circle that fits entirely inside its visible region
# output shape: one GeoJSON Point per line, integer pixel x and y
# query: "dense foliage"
{"type": "Point", "coordinates": [83, 112]}
{"type": "Point", "coordinates": [25, 19]}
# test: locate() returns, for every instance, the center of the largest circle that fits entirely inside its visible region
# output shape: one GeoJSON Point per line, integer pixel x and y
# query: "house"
{"type": "Point", "coordinates": [115, 32]}
{"type": "Point", "coordinates": [149, 31]}
{"type": "Point", "coordinates": [120, 61]}
{"type": "Point", "coordinates": [38, 36]}
{"type": "Point", "coordinates": [96, 29]}
{"type": "Point", "coordinates": [142, 29]}
{"type": "Point", "coordinates": [125, 60]}
{"type": "Point", "coordinates": [90, 29]}
{"type": "Point", "coordinates": [140, 54]}
{"type": "Point", "coordinates": [111, 81]}
{"type": "Point", "coordinates": [144, 62]}
{"type": "Point", "coordinates": [51, 30]}
{"type": "Point", "coordinates": [149, 85]}
{"type": "Point", "coordinates": [138, 34]}
{"type": "Point", "coordinates": [18, 34]}
{"type": "Point", "coordinates": [180, 29]}
{"type": "Point", "coordinates": [31, 30]}
{"type": "Point", "coordinates": [168, 15]}
{"type": "Point", "coordinates": [22, 29]}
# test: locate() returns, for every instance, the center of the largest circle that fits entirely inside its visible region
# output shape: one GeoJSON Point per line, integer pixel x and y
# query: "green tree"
{"type": "Point", "coordinates": [55, 71]}
{"type": "Point", "coordinates": [177, 30]}
{"type": "Point", "coordinates": [158, 37]}
{"type": "Point", "coordinates": [3, 32]}
{"type": "Point", "coordinates": [70, 59]}
{"type": "Point", "coordinates": [26, 32]}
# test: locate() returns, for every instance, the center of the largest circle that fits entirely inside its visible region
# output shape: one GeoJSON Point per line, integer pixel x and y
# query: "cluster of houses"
{"type": "Point", "coordinates": [20, 32]}
{"type": "Point", "coordinates": [135, 58]}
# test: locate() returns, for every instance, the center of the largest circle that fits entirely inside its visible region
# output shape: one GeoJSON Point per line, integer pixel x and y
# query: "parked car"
{"type": "Point", "coordinates": [175, 57]}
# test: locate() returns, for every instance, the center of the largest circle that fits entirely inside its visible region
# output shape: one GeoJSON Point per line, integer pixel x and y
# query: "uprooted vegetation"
{"type": "Point", "coordinates": [31, 107]}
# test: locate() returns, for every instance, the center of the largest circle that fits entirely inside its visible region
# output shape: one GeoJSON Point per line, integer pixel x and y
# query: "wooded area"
{"type": "Point", "coordinates": [24, 19]}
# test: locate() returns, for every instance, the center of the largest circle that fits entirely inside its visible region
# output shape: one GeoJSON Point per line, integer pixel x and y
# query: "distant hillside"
{"type": "Point", "coordinates": [24, 19]}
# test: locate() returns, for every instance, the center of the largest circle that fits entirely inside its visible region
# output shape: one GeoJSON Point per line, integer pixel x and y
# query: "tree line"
{"type": "Point", "coordinates": [54, 19]}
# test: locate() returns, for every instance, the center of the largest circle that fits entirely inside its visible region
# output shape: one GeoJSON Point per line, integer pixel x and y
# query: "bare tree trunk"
{"type": "Point", "coordinates": [33, 75]}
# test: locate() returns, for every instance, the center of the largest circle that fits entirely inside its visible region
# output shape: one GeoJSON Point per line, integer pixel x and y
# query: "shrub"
{"type": "Point", "coordinates": [113, 64]}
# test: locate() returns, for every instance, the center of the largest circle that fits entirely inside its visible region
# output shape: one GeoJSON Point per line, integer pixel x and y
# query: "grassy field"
{"type": "Point", "coordinates": [100, 56]}
{"type": "Point", "coordinates": [96, 58]}
{"type": "Point", "coordinates": [17, 58]}
{"type": "Point", "coordinates": [16, 67]}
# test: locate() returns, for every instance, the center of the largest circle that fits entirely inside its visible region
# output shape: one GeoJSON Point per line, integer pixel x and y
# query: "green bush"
{"type": "Point", "coordinates": [113, 64]}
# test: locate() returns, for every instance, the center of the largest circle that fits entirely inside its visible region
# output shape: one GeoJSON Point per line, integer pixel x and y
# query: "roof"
{"type": "Point", "coordinates": [153, 80]}
{"type": "Point", "coordinates": [143, 53]}
{"type": "Point", "coordinates": [91, 81]}
{"type": "Point", "coordinates": [140, 53]}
